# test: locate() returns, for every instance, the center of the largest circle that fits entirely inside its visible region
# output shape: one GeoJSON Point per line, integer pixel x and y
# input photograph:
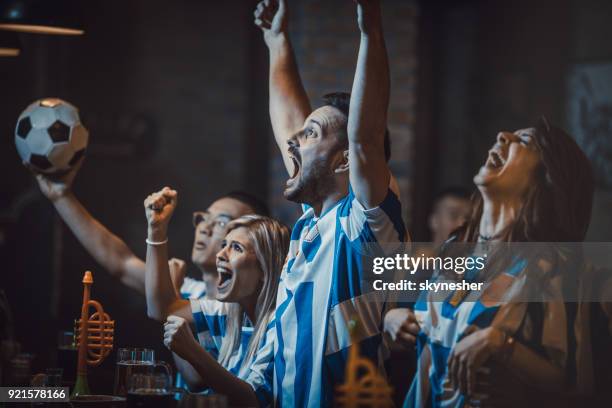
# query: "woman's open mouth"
{"type": "Point", "coordinates": [225, 278]}
{"type": "Point", "coordinates": [495, 160]}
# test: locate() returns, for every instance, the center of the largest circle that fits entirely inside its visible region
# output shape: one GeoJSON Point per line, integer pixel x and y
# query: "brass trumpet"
{"type": "Point", "coordinates": [94, 337]}
{"type": "Point", "coordinates": [363, 386]}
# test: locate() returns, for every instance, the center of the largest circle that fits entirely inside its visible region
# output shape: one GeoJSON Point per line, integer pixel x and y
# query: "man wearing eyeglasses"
{"type": "Point", "coordinates": [119, 260]}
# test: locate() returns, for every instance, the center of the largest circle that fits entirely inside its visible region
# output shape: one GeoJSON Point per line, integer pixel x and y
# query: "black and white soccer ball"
{"type": "Point", "coordinates": [50, 136]}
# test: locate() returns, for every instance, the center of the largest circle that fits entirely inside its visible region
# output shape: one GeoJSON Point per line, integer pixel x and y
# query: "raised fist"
{"type": "Point", "coordinates": [271, 17]}
{"type": "Point", "coordinates": [178, 336]}
{"type": "Point", "coordinates": [159, 207]}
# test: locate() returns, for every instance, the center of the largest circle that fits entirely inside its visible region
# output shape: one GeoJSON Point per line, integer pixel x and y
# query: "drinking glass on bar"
{"type": "Point", "coordinates": [132, 361]}
{"type": "Point", "coordinates": [54, 377]}
{"type": "Point", "coordinates": [150, 391]}
{"type": "Point", "coordinates": [67, 355]}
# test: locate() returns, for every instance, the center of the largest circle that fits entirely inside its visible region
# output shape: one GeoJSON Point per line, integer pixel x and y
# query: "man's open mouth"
{"type": "Point", "coordinates": [225, 277]}
{"type": "Point", "coordinates": [296, 166]}
{"type": "Point", "coordinates": [200, 245]}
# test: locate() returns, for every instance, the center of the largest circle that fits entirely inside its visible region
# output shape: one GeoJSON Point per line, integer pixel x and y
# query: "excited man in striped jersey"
{"type": "Point", "coordinates": [337, 162]}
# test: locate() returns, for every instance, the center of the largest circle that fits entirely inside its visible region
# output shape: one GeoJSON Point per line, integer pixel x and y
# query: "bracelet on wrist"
{"type": "Point", "coordinates": [156, 243]}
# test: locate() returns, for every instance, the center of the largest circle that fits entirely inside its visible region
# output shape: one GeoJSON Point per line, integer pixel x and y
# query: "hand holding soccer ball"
{"type": "Point", "coordinates": [55, 188]}
{"type": "Point", "coordinates": [50, 137]}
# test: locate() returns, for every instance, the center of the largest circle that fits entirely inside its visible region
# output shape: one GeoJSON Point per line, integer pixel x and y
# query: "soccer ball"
{"type": "Point", "coordinates": [50, 136]}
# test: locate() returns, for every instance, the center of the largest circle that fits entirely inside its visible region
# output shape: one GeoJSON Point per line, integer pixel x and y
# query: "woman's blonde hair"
{"type": "Point", "coordinates": [270, 241]}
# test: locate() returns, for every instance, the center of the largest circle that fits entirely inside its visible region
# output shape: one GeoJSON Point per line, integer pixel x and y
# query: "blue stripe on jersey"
{"type": "Point", "coordinates": [482, 316]}
{"type": "Point", "coordinates": [296, 232]}
{"type": "Point", "coordinates": [392, 206]}
{"type": "Point", "coordinates": [448, 310]}
{"type": "Point", "coordinates": [346, 285]}
{"type": "Point", "coordinates": [290, 264]}
{"type": "Point", "coordinates": [421, 303]}
{"type": "Point", "coordinates": [200, 322]}
{"type": "Point", "coordinates": [439, 359]}
{"type": "Point", "coordinates": [279, 360]}
{"type": "Point", "coordinates": [310, 248]}
{"type": "Point", "coordinates": [216, 324]}
{"type": "Point", "coordinates": [303, 308]}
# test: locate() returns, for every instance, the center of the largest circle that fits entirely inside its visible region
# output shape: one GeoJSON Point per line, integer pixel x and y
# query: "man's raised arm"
{"type": "Point", "coordinates": [367, 121]}
{"type": "Point", "coordinates": [289, 105]}
{"type": "Point", "coordinates": [104, 246]}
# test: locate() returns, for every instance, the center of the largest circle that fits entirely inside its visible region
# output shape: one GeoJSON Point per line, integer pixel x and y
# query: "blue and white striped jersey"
{"type": "Point", "coordinates": [193, 288]}
{"type": "Point", "coordinates": [210, 318]}
{"type": "Point", "coordinates": [320, 291]}
{"type": "Point", "coordinates": [444, 324]}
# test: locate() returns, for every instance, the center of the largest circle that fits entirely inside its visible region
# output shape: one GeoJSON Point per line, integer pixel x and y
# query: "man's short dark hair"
{"type": "Point", "coordinates": [259, 207]}
{"type": "Point", "coordinates": [342, 101]}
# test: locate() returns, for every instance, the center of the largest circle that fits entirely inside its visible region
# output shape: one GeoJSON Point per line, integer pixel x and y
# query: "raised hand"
{"type": "Point", "coordinates": [178, 336]}
{"type": "Point", "coordinates": [159, 207]}
{"type": "Point", "coordinates": [368, 15]}
{"type": "Point", "coordinates": [271, 17]}
{"type": "Point", "coordinates": [55, 188]}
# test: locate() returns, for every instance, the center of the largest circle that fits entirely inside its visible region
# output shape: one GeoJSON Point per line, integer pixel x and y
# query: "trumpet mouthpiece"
{"type": "Point", "coordinates": [88, 277]}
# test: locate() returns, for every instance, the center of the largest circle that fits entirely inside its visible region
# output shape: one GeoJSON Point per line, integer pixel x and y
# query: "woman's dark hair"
{"type": "Point", "coordinates": [557, 208]}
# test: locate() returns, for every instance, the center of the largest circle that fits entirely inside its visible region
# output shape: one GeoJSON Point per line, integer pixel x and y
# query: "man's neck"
{"type": "Point", "coordinates": [328, 202]}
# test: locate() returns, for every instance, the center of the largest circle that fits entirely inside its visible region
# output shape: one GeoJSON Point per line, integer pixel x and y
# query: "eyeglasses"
{"type": "Point", "coordinates": [218, 224]}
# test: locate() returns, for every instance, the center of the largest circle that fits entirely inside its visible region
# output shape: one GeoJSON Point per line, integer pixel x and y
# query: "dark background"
{"type": "Point", "coordinates": [175, 93]}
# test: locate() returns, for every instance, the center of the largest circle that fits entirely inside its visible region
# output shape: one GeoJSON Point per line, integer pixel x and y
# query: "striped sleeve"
{"type": "Point", "coordinates": [261, 371]}
{"type": "Point", "coordinates": [381, 224]}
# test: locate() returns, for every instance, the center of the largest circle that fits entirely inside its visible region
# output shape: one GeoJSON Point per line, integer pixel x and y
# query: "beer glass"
{"type": "Point", "coordinates": [132, 361]}
{"type": "Point", "coordinates": [150, 391]}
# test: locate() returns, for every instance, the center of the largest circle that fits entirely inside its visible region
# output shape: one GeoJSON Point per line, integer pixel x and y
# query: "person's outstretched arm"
{"type": "Point", "coordinates": [161, 296]}
{"type": "Point", "coordinates": [104, 246]}
{"type": "Point", "coordinates": [367, 120]}
{"type": "Point", "coordinates": [289, 105]}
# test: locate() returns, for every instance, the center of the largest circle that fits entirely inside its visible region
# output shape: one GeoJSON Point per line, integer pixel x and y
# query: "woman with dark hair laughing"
{"type": "Point", "coordinates": [493, 348]}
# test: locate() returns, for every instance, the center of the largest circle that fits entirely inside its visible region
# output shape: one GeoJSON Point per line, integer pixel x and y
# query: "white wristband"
{"type": "Point", "coordinates": [154, 243]}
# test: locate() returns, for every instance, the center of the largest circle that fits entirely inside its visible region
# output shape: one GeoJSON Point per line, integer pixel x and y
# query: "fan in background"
{"type": "Point", "coordinates": [41, 16]}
